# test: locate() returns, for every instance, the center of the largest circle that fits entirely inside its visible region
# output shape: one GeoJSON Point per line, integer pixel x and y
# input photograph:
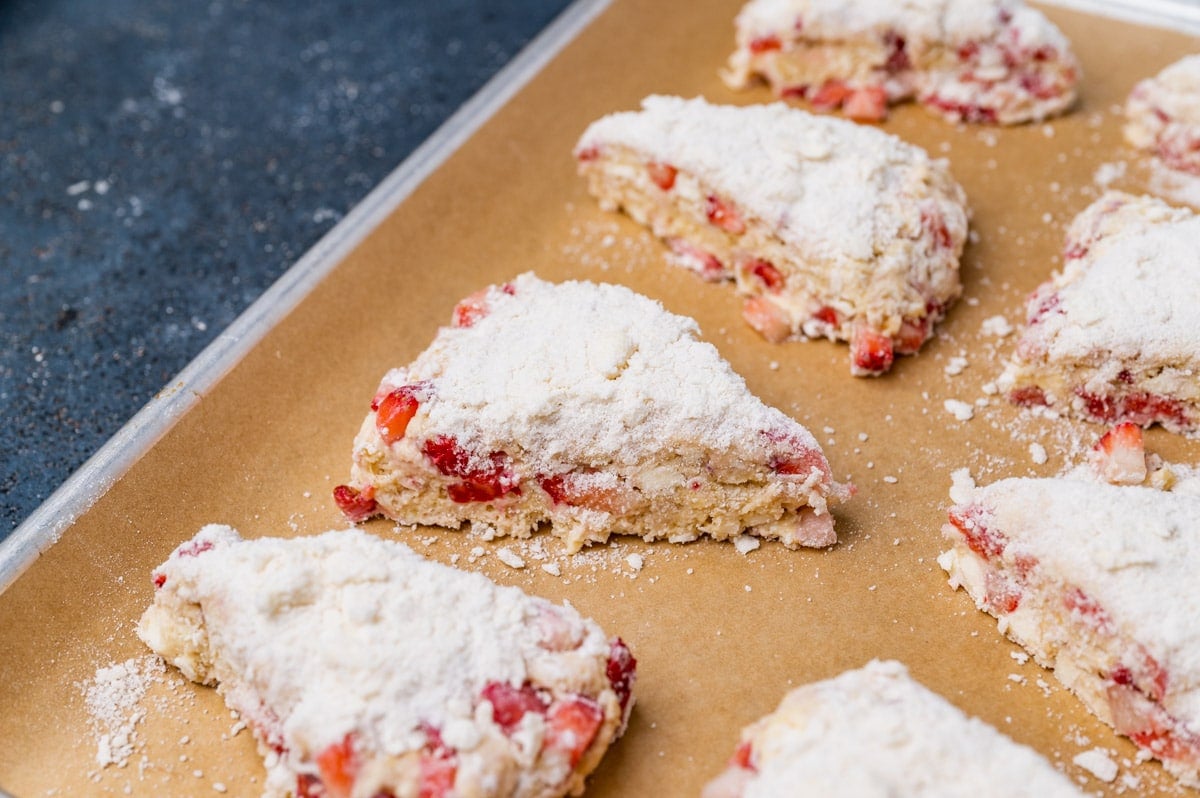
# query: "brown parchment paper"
{"type": "Point", "coordinates": [719, 636]}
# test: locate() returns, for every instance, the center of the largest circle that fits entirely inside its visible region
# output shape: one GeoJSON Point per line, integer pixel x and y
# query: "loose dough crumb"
{"type": "Point", "coordinates": [1097, 762]}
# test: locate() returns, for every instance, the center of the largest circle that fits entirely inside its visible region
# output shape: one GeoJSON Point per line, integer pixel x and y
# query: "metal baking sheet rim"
{"type": "Point", "coordinates": [73, 498]}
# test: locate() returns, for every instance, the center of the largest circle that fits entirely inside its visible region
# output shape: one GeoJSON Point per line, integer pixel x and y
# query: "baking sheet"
{"type": "Point", "coordinates": [720, 636]}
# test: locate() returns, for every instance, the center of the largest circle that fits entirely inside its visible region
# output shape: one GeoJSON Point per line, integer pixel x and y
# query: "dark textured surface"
{"type": "Point", "coordinates": [162, 162]}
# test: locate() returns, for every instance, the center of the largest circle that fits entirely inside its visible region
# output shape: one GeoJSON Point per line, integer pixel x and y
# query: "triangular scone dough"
{"type": "Point", "coordinates": [594, 409]}
{"type": "Point", "coordinates": [831, 229]}
{"type": "Point", "coordinates": [364, 669]}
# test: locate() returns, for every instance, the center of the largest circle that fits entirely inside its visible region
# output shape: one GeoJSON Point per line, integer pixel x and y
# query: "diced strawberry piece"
{"type": "Point", "coordinates": [703, 263]}
{"type": "Point", "coordinates": [195, 547]}
{"type": "Point", "coordinates": [663, 175]}
{"type": "Point", "coordinates": [968, 51]}
{"type": "Point", "coordinates": [1030, 396]}
{"type": "Point", "coordinates": [572, 726]}
{"type": "Point", "coordinates": [961, 111]}
{"type": "Point", "coordinates": [1120, 455]}
{"type": "Point", "coordinates": [483, 479]}
{"type": "Point", "coordinates": [766, 318]}
{"type": "Point", "coordinates": [621, 671]}
{"type": "Point", "coordinates": [159, 579]}
{"type": "Point", "coordinates": [767, 273]}
{"type": "Point", "coordinates": [827, 314]}
{"type": "Point", "coordinates": [801, 463]}
{"type": "Point", "coordinates": [871, 352]}
{"type": "Point", "coordinates": [933, 221]}
{"type": "Point", "coordinates": [587, 154]}
{"type": "Point", "coordinates": [868, 104]}
{"type": "Point", "coordinates": [1146, 408]}
{"type": "Point", "coordinates": [471, 309]}
{"type": "Point", "coordinates": [308, 786]}
{"type": "Point", "coordinates": [765, 44]}
{"type": "Point", "coordinates": [394, 411]}
{"type": "Point", "coordinates": [829, 96]}
{"type": "Point", "coordinates": [1100, 408]}
{"type": "Point", "coordinates": [723, 215]}
{"type": "Point", "coordinates": [897, 60]}
{"type": "Point", "coordinates": [1000, 594]}
{"type": "Point", "coordinates": [438, 765]}
{"type": "Point", "coordinates": [797, 92]}
{"type": "Point", "coordinates": [912, 333]}
{"type": "Point", "coordinates": [1044, 306]}
{"type": "Point", "coordinates": [437, 776]}
{"type": "Point", "coordinates": [573, 490]}
{"type": "Point", "coordinates": [339, 765]}
{"type": "Point", "coordinates": [743, 756]}
{"type": "Point", "coordinates": [972, 522]}
{"type": "Point", "coordinates": [1086, 609]}
{"type": "Point", "coordinates": [509, 704]}
{"type": "Point", "coordinates": [356, 505]}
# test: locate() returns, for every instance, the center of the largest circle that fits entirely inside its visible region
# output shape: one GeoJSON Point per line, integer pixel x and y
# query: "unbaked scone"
{"type": "Point", "coordinates": [1163, 115]}
{"type": "Point", "coordinates": [1112, 337]}
{"type": "Point", "coordinates": [1094, 573]}
{"type": "Point", "coordinates": [877, 732]}
{"type": "Point", "coordinates": [831, 229]}
{"type": "Point", "coordinates": [994, 61]}
{"type": "Point", "coordinates": [365, 670]}
{"type": "Point", "coordinates": [592, 408]}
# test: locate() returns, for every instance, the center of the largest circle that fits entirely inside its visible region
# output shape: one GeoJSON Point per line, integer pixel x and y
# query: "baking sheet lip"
{"type": "Point", "coordinates": [1174, 14]}
{"type": "Point", "coordinates": [45, 526]}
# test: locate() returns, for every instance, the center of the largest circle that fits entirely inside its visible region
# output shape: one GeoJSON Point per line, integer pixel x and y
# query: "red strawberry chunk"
{"type": "Point", "coordinates": [706, 264]}
{"type": "Point", "coordinates": [1120, 455]}
{"type": "Point", "coordinates": [339, 765]}
{"type": "Point", "coordinates": [588, 154]}
{"type": "Point", "coordinates": [765, 44]}
{"type": "Point", "coordinates": [621, 671]}
{"type": "Point", "coordinates": [1087, 610]}
{"type": "Point", "coordinates": [743, 756]}
{"type": "Point", "coordinates": [897, 60]}
{"type": "Point", "coordinates": [871, 352]}
{"type": "Point", "coordinates": [471, 309]}
{"type": "Point", "coordinates": [356, 505]}
{"type": "Point", "coordinates": [868, 104]}
{"type": "Point", "coordinates": [394, 411]}
{"type": "Point", "coordinates": [829, 96]}
{"type": "Point", "coordinates": [483, 478]}
{"type": "Point", "coordinates": [556, 632]}
{"type": "Point", "coordinates": [827, 314]}
{"type": "Point", "coordinates": [1000, 594]}
{"type": "Point", "coordinates": [724, 216]}
{"type": "Point", "coordinates": [572, 726]}
{"type": "Point", "coordinates": [767, 273]}
{"type": "Point", "coordinates": [912, 333]}
{"type": "Point", "coordinates": [438, 766]}
{"type": "Point", "coordinates": [766, 318]}
{"type": "Point", "coordinates": [662, 174]}
{"type": "Point", "coordinates": [1030, 396]}
{"type": "Point", "coordinates": [195, 547]}
{"type": "Point", "coordinates": [971, 521]}
{"type": "Point", "coordinates": [509, 704]}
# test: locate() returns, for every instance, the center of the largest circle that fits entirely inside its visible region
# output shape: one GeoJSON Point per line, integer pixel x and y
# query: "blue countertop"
{"type": "Point", "coordinates": [162, 162]}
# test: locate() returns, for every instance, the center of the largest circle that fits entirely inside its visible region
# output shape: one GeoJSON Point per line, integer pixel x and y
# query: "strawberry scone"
{"type": "Point", "coordinates": [366, 671]}
{"type": "Point", "coordinates": [992, 61]}
{"type": "Point", "coordinates": [877, 732]}
{"type": "Point", "coordinates": [590, 407]}
{"type": "Point", "coordinates": [1112, 337]}
{"type": "Point", "coordinates": [1094, 573]}
{"type": "Point", "coordinates": [1163, 115]}
{"type": "Point", "coordinates": [831, 229]}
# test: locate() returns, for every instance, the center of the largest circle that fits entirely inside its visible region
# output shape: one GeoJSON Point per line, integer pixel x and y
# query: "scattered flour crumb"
{"type": "Point", "coordinates": [996, 325]}
{"type": "Point", "coordinates": [1020, 656]}
{"type": "Point", "coordinates": [1097, 762]}
{"type": "Point", "coordinates": [112, 699]}
{"type": "Point", "coordinates": [955, 366]}
{"type": "Point", "coordinates": [552, 568]}
{"type": "Point", "coordinates": [961, 410]}
{"type": "Point", "coordinates": [1016, 677]}
{"type": "Point", "coordinates": [635, 561]}
{"type": "Point", "coordinates": [1038, 453]}
{"type": "Point", "coordinates": [1108, 173]}
{"type": "Point", "coordinates": [510, 557]}
{"type": "Point", "coordinates": [889, 479]}
{"type": "Point", "coordinates": [746, 543]}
